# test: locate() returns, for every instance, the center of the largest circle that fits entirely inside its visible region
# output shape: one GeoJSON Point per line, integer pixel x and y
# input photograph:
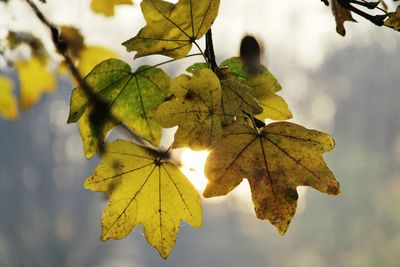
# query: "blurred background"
{"type": "Point", "coordinates": [347, 87]}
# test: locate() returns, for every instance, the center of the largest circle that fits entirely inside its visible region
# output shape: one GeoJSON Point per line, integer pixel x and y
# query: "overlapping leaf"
{"type": "Point", "coordinates": [195, 109]}
{"type": "Point", "coordinates": [35, 79]}
{"type": "Point", "coordinates": [275, 161]}
{"type": "Point", "coordinates": [263, 86]}
{"type": "Point", "coordinates": [172, 28]}
{"type": "Point", "coordinates": [236, 99]}
{"type": "Point", "coordinates": [92, 55]}
{"type": "Point", "coordinates": [106, 7]}
{"type": "Point", "coordinates": [144, 190]}
{"type": "Point", "coordinates": [131, 97]}
{"type": "Point", "coordinates": [341, 15]}
{"type": "Point", "coordinates": [8, 102]}
{"type": "Point", "coordinates": [235, 96]}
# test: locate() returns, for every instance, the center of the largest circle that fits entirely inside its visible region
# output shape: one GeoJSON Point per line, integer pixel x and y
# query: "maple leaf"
{"type": "Point", "coordinates": [393, 20]}
{"type": "Point", "coordinates": [106, 7]}
{"type": "Point", "coordinates": [262, 86]}
{"type": "Point", "coordinates": [172, 28]}
{"type": "Point", "coordinates": [34, 78]}
{"type": "Point", "coordinates": [236, 99]}
{"type": "Point", "coordinates": [235, 96]}
{"type": "Point", "coordinates": [275, 161]}
{"type": "Point", "coordinates": [93, 137]}
{"type": "Point", "coordinates": [92, 55]}
{"type": "Point", "coordinates": [130, 97]}
{"type": "Point", "coordinates": [341, 15]}
{"type": "Point", "coordinates": [195, 109]}
{"type": "Point", "coordinates": [8, 102]}
{"type": "Point", "coordinates": [144, 189]}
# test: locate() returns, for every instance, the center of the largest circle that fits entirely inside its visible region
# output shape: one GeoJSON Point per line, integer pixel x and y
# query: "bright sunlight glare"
{"type": "Point", "coordinates": [193, 167]}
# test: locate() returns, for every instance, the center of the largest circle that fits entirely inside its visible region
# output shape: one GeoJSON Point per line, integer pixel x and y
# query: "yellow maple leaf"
{"type": "Point", "coordinates": [144, 189]}
{"type": "Point", "coordinates": [275, 161]}
{"type": "Point", "coordinates": [172, 28]}
{"type": "Point", "coordinates": [106, 7]}
{"type": "Point", "coordinates": [196, 109]}
{"type": "Point", "coordinates": [8, 102]}
{"type": "Point", "coordinates": [261, 85]}
{"type": "Point", "coordinates": [34, 78]}
{"type": "Point", "coordinates": [92, 55]}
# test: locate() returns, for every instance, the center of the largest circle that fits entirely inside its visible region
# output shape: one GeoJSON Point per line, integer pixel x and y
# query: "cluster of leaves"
{"type": "Point", "coordinates": [219, 108]}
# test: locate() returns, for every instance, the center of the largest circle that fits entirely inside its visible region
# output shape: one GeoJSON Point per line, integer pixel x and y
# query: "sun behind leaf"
{"type": "Point", "coordinates": [275, 161]}
{"type": "Point", "coordinates": [144, 189]}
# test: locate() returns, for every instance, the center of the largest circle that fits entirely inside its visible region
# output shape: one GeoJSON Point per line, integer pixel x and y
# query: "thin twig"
{"type": "Point", "coordinates": [100, 106]}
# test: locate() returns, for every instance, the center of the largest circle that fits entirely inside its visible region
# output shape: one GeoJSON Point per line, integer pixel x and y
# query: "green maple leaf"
{"type": "Point", "coordinates": [131, 97]}
{"type": "Point", "coordinates": [144, 189]}
{"type": "Point", "coordinates": [262, 86]}
{"type": "Point", "coordinates": [275, 161]}
{"type": "Point", "coordinates": [195, 109]}
{"type": "Point", "coordinates": [172, 28]}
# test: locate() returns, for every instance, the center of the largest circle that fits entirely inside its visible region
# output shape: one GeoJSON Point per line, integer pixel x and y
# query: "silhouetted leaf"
{"type": "Point", "coordinates": [341, 15]}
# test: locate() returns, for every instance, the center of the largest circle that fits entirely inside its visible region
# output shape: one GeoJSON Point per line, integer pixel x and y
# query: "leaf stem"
{"type": "Point", "coordinates": [201, 51]}
{"type": "Point", "coordinates": [168, 61]}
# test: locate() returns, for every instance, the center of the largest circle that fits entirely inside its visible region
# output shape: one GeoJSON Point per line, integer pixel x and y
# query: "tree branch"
{"type": "Point", "coordinates": [210, 54]}
{"type": "Point", "coordinates": [100, 111]}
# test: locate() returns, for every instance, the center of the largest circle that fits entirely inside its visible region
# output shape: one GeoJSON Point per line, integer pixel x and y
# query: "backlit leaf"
{"type": "Point", "coordinates": [8, 102]}
{"type": "Point", "coordinates": [235, 96]}
{"type": "Point", "coordinates": [275, 161]}
{"type": "Point", "coordinates": [236, 99]}
{"type": "Point", "coordinates": [106, 7]}
{"type": "Point", "coordinates": [145, 190]}
{"type": "Point", "coordinates": [92, 55]}
{"type": "Point", "coordinates": [172, 28]}
{"type": "Point", "coordinates": [92, 138]}
{"type": "Point", "coordinates": [341, 15]}
{"type": "Point", "coordinates": [263, 86]}
{"type": "Point", "coordinates": [34, 78]}
{"type": "Point", "coordinates": [196, 109]}
{"type": "Point", "coordinates": [131, 97]}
